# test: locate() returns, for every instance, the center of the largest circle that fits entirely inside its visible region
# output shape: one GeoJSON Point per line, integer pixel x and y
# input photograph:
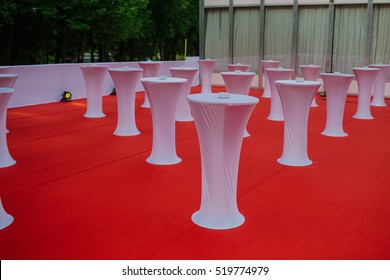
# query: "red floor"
{"type": "Point", "coordinates": [79, 192]}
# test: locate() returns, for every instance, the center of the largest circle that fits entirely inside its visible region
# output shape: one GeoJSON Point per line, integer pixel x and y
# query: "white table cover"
{"type": "Point", "coordinates": [311, 73]}
{"type": "Point", "coordinates": [126, 80]}
{"type": "Point", "coordinates": [268, 64]}
{"type": "Point", "coordinates": [275, 74]}
{"type": "Point", "coordinates": [151, 69]}
{"type": "Point", "coordinates": [7, 81]}
{"type": "Point", "coordinates": [238, 67]}
{"type": "Point", "coordinates": [238, 83]}
{"type": "Point", "coordinates": [4, 69]}
{"type": "Point", "coordinates": [336, 86]}
{"type": "Point", "coordinates": [163, 96]}
{"type": "Point", "coordinates": [220, 124]}
{"type": "Point", "coordinates": [379, 84]}
{"type": "Point", "coordinates": [183, 113]}
{"type": "Point", "coordinates": [5, 218]}
{"type": "Point", "coordinates": [94, 79]}
{"type": "Point", "coordinates": [5, 157]}
{"type": "Point", "coordinates": [296, 99]}
{"type": "Point", "coordinates": [365, 79]}
{"type": "Point", "coordinates": [206, 67]}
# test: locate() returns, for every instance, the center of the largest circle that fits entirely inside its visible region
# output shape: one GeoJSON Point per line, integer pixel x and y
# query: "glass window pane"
{"type": "Point", "coordinates": [217, 37]}
{"type": "Point", "coordinates": [278, 34]}
{"type": "Point", "coordinates": [349, 37]}
{"type": "Point", "coordinates": [312, 35]}
{"type": "Point", "coordinates": [380, 47]}
{"type": "Point", "coordinates": [246, 37]}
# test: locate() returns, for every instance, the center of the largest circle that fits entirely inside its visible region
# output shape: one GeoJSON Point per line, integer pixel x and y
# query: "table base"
{"type": "Point", "coordinates": [294, 162]}
{"type": "Point", "coordinates": [146, 103]}
{"type": "Point", "coordinates": [363, 116]}
{"type": "Point", "coordinates": [125, 132]}
{"type": "Point", "coordinates": [266, 93]}
{"type": "Point", "coordinates": [158, 161]}
{"type": "Point", "coordinates": [328, 132]}
{"type": "Point", "coordinates": [218, 222]}
{"type": "Point", "coordinates": [6, 161]}
{"type": "Point", "coordinates": [276, 118]}
{"type": "Point", "coordinates": [314, 103]}
{"type": "Point", "coordinates": [5, 218]}
{"type": "Point", "coordinates": [378, 103]}
{"type": "Point", "coordinates": [94, 115]}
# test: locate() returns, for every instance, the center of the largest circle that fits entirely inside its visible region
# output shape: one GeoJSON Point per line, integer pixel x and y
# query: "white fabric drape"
{"type": "Point", "coordinates": [312, 36]}
{"type": "Point", "coordinates": [380, 48]}
{"type": "Point", "coordinates": [349, 37]}
{"type": "Point", "coordinates": [278, 34]}
{"type": "Point", "coordinates": [217, 37]}
{"type": "Point", "coordinates": [350, 24]}
{"type": "Point", "coordinates": [247, 37]}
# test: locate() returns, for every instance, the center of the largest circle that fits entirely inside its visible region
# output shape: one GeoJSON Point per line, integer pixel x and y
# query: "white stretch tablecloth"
{"type": "Point", "coordinates": [5, 157]}
{"type": "Point", "coordinates": [336, 86]}
{"type": "Point", "coordinates": [311, 73]}
{"type": "Point", "coordinates": [238, 67]}
{"type": "Point", "coordinates": [151, 69]}
{"type": "Point", "coordinates": [220, 124]}
{"type": "Point", "coordinates": [125, 80]}
{"type": "Point", "coordinates": [94, 78]}
{"type": "Point", "coordinates": [296, 99]}
{"type": "Point", "coordinates": [183, 113]}
{"type": "Point", "coordinates": [5, 218]}
{"type": "Point", "coordinates": [379, 84]}
{"type": "Point", "coordinates": [365, 78]}
{"type": "Point", "coordinates": [4, 69]}
{"type": "Point", "coordinates": [206, 67]}
{"type": "Point", "coordinates": [268, 64]}
{"type": "Point", "coordinates": [163, 96]}
{"type": "Point", "coordinates": [239, 83]}
{"type": "Point", "coordinates": [275, 74]}
{"type": "Point", "coordinates": [7, 81]}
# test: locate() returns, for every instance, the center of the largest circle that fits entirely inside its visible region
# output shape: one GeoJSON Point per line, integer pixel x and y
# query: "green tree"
{"type": "Point", "coordinates": [174, 22]}
{"type": "Point", "coordinates": [7, 12]}
{"type": "Point", "coordinates": [54, 31]}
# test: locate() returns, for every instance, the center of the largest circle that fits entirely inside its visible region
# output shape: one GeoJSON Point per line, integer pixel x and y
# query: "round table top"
{"type": "Point", "coordinates": [297, 83]}
{"type": "Point", "coordinates": [270, 60]}
{"type": "Point", "coordinates": [94, 65]}
{"type": "Point", "coordinates": [8, 75]}
{"type": "Point", "coordinates": [234, 100]}
{"type": "Point", "coordinates": [6, 90]}
{"type": "Point", "coordinates": [149, 62]}
{"type": "Point", "coordinates": [239, 64]}
{"type": "Point", "coordinates": [279, 69]}
{"type": "Point", "coordinates": [208, 59]}
{"type": "Point", "coordinates": [379, 65]}
{"type": "Point", "coordinates": [337, 75]}
{"type": "Point", "coordinates": [125, 69]}
{"type": "Point", "coordinates": [365, 69]}
{"type": "Point", "coordinates": [310, 66]}
{"type": "Point", "coordinates": [238, 73]}
{"type": "Point", "coordinates": [183, 68]}
{"type": "Point", "coordinates": [167, 80]}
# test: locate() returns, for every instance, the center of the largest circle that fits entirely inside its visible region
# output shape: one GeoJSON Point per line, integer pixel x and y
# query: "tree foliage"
{"type": "Point", "coordinates": [53, 31]}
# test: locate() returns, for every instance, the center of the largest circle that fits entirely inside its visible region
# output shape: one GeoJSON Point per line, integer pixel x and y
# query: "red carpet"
{"type": "Point", "coordinates": [79, 192]}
